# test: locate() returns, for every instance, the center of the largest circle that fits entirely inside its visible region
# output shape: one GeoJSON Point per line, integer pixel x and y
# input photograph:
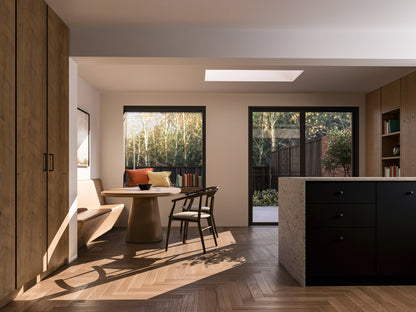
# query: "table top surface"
{"type": "Point", "coordinates": [136, 192]}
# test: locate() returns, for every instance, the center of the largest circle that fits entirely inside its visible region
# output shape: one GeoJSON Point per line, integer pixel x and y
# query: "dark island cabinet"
{"type": "Point", "coordinates": [360, 232]}
{"type": "Point", "coordinates": [396, 228]}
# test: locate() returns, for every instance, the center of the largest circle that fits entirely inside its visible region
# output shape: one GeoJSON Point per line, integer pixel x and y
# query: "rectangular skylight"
{"type": "Point", "coordinates": [251, 75]}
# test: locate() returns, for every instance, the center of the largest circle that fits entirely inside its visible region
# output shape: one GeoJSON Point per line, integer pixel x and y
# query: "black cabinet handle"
{"type": "Point", "coordinates": [341, 215]}
{"type": "Point", "coordinates": [341, 192]}
{"type": "Point", "coordinates": [410, 193]}
{"type": "Point", "coordinates": [45, 162]}
{"type": "Point", "coordinates": [341, 238]}
{"type": "Point", "coordinates": [52, 162]}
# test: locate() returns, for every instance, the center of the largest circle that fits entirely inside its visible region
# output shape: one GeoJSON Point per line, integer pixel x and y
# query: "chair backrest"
{"type": "Point", "coordinates": [209, 193]}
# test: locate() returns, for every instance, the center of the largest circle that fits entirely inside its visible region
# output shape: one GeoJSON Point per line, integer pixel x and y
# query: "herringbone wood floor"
{"type": "Point", "coordinates": [241, 274]}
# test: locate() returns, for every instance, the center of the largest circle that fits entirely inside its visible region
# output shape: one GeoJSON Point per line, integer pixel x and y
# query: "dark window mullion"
{"type": "Point", "coordinates": [302, 126]}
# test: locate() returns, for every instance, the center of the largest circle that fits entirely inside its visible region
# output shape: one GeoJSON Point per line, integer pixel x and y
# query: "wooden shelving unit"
{"type": "Point", "coordinates": [389, 141]}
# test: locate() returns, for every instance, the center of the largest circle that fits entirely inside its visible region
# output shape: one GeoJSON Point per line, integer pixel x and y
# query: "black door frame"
{"type": "Point", "coordinates": [302, 110]}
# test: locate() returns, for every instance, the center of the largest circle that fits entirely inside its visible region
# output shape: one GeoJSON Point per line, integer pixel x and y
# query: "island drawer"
{"type": "Point", "coordinates": [338, 215]}
{"type": "Point", "coordinates": [340, 192]}
{"type": "Point", "coordinates": [341, 252]}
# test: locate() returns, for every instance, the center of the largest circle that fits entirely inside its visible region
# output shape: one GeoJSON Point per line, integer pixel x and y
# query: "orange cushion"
{"type": "Point", "coordinates": [138, 176]}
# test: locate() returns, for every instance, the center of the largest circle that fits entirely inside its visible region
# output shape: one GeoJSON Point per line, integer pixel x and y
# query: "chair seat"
{"type": "Point", "coordinates": [189, 215]}
{"type": "Point", "coordinates": [195, 208]}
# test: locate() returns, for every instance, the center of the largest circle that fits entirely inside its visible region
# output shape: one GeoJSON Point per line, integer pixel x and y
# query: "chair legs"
{"type": "Point", "coordinates": [214, 226]}
{"type": "Point", "coordinates": [202, 237]}
{"type": "Point", "coordinates": [211, 223]}
{"type": "Point", "coordinates": [167, 235]}
{"type": "Point", "coordinates": [185, 232]}
{"type": "Point", "coordinates": [214, 231]}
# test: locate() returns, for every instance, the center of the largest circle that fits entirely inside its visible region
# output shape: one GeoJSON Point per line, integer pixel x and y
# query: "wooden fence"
{"type": "Point", "coordinates": [285, 162]}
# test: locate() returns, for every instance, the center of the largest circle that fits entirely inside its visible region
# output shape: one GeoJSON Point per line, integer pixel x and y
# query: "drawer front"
{"type": "Point", "coordinates": [340, 192]}
{"type": "Point", "coordinates": [337, 215]}
{"type": "Point", "coordinates": [340, 252]}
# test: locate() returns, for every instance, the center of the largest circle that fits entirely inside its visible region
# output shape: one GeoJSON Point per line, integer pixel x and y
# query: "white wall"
{"type": "Point", "coordinates": [89, 101]}
{"type": "Point", "coordinates": [73, 99]}
{"type": "Point", "coordinates": [226, 140]}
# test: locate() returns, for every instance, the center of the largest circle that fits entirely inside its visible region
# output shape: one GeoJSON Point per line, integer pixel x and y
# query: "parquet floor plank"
{"type": "Point", "coordinates": [241, 274]}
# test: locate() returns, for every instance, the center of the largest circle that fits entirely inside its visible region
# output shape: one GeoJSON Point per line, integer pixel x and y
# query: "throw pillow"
{"type": "Point", "coordinates": [159, 178]}
{"type": "Point", "coordinates": [138, 176]}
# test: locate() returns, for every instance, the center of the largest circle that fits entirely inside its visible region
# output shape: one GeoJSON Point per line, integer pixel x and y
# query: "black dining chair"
{"type": "Point", "coordinates": [192, 214]}
{"type": "Point", "coordinates": [208, 206]}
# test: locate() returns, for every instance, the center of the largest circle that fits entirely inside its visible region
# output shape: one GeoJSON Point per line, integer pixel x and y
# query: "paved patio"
{"type": "Point", "coordinates": [265, 214]}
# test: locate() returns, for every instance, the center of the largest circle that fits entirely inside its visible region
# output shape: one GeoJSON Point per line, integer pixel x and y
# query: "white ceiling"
{"type": "Point", "coordinates": [289, 14]}
{"type": "Point", "coordinates": [187, 74]}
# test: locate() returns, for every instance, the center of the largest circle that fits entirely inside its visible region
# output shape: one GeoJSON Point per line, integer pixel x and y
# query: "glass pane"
{"type": "Point", "coordinates": [276, 153]}
{"type": "Point", "coordinates": [165, 141]}
{"type": "Point", "coordinates": [328, 150]}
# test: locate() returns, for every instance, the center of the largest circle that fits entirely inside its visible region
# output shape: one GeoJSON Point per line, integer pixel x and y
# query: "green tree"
{"type": "Point", "coordinates": [338, 153]}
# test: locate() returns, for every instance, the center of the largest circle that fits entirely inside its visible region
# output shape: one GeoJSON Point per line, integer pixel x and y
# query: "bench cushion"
{"type": "Point", "coordinates": [92, 213]}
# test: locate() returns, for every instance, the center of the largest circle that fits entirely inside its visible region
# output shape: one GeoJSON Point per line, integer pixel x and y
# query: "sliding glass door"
{"type": "Point", "coordinates": [296, 142]}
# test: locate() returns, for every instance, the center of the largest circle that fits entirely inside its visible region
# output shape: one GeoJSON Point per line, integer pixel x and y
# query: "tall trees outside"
{"type": "Point", "coordinates": [167, 139]}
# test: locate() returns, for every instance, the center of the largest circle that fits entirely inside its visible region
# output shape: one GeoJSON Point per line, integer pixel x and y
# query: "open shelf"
{"type": "Point", "coordinates": [391, 158]}
{"type": "Point", "coordinates": [391, 134]}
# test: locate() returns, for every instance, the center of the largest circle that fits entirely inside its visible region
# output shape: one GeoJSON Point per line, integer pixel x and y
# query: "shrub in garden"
{"type": "Point", "coordinates": [267, 197]}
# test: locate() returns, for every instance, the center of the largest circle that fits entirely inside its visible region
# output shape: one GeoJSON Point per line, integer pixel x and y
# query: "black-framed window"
{"type": "Point", "coordinates": [167, 138]}
{"type": "Point", "coordinates": [297, 141]}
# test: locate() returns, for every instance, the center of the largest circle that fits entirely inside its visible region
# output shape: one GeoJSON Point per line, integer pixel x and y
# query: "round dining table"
{"type": "Point", "coordinates": [144, 218]}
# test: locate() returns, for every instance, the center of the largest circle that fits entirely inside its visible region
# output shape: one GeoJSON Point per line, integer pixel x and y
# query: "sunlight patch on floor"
{"type": "Point", "coordinates": [142, 275]}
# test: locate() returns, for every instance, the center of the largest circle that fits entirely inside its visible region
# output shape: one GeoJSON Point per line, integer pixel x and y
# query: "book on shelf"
{"type": "Point", "coordinates": [392, 171]}
{"type": "Point", "coordinates": [391, 126]}
{"type": "Point", "coordinates": [188, 180]}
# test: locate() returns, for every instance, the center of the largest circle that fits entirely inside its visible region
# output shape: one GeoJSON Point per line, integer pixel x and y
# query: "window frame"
{"type": "Point", "coordinates": [302, 110]}
{"type": "Point", "coordinates": [174, 109]}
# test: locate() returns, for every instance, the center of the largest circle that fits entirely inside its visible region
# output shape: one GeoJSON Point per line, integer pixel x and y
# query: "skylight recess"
{"type": "Point", "coordinates": [252, 75]}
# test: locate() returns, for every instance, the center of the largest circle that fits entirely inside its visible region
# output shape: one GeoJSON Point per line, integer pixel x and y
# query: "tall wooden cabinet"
{"type": "Point", "coordinates": [7, 150]}
{"type": "Point", "coordinates": [58, 118]}
{"type": "Point", "coordinates": [408, 125]}
{"type": "Point", "coordinates": [394, 102]}
{"type": "Point", "coordinates": [34, 140]}
{"type": "Point", "coordinates": [373, 131]}
{"type": "Point", "coordinates": [31, 143]}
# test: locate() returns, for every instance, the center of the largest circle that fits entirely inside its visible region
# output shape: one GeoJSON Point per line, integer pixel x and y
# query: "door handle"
{"type": "Point", "coordinates": [52, 162]}
{"type": "Point", "coordinates": [45, 162]}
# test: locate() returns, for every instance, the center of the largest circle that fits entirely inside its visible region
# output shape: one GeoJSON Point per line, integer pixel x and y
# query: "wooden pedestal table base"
{"type": "Point", "coordinates": [144, 219]}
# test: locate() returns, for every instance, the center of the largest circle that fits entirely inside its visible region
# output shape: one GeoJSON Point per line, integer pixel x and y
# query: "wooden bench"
{"type": "Point", "coordinates": [95, 216]}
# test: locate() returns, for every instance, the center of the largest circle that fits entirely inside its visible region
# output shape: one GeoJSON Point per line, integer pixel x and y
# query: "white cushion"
{"type": "Point", "coordinates": [195, 208]}
{"type": "Point", "coordinates": [190, 215]}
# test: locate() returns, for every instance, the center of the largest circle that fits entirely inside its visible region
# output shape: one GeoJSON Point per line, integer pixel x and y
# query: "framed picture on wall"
{"type": "Point", "coordinates": [83, 139]}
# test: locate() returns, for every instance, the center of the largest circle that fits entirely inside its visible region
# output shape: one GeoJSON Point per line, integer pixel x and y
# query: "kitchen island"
{"type": "Point", "coordinates": [336, 231]}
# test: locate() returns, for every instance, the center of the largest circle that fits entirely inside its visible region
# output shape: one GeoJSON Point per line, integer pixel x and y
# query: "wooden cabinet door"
{"type": "Point", "coordinates": [7, 150]}
{"type": "Point", "coordinates": [343, 252]}
{"type": "Point", "coordinates": [396, 228]}
{"type": "Point", "coordinates": [373, 134]}
{"type": "Point", "coordinates": [58, 105]}
{"type": "Point", "coordinates": [390, 96]}
{"type": "Point", "coordinates": [31, 140]}
{"type": "Point", "coordinates": [408, 126]}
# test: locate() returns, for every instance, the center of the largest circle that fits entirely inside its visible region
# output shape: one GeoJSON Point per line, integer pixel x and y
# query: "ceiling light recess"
{"type": "Point", "coordinates": [251, 75]}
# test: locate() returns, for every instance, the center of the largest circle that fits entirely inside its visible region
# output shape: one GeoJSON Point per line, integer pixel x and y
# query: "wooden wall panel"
{"type": "Point", "coordinates": [7, 150]}
{"type": "Point", "coordinates": [390, 96]}
{"type": "Point", "coordinates": [373, 134]}
{"type": "Point", "coordinates": [58, 106]}
{"type": "Point", "coordinates": [408, 126]}
{"type": "Point", "coordinates": [31, 139]}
